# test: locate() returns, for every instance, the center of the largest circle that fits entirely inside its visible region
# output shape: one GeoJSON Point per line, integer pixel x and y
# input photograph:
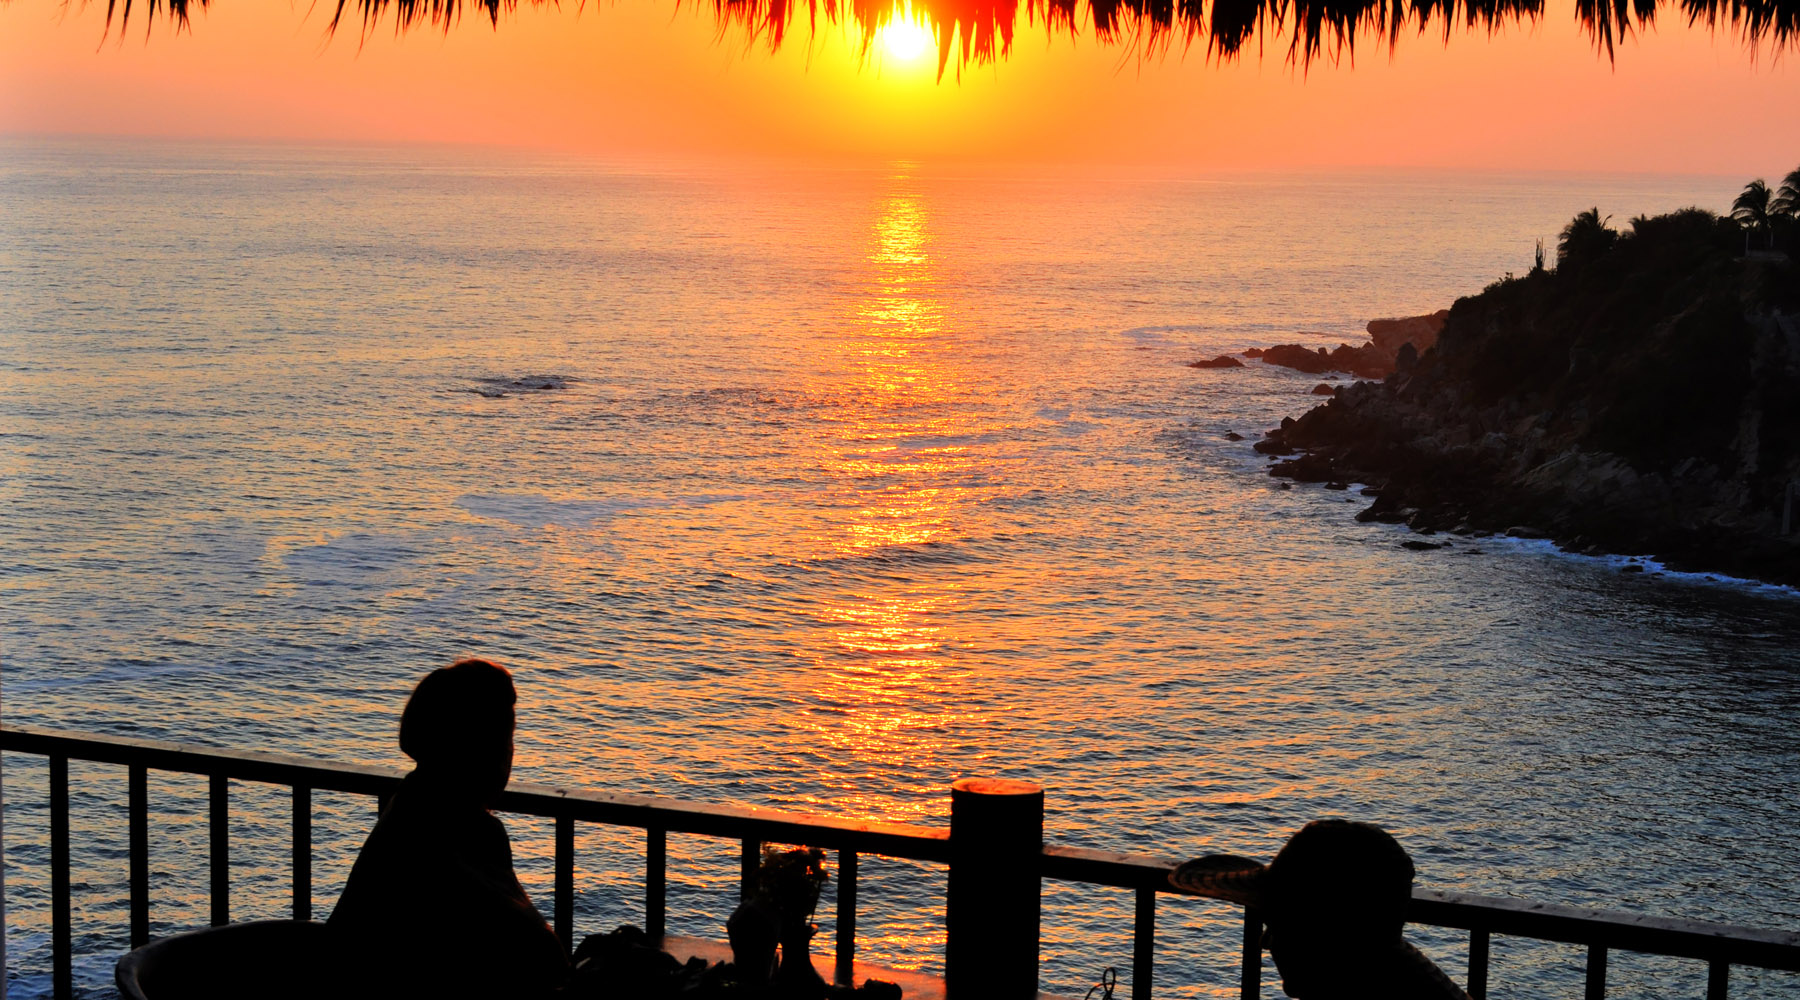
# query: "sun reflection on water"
{"type": "Point", "coordinates": [888, 687]}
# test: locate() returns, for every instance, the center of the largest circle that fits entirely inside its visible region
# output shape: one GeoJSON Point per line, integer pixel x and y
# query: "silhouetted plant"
{"type": "Point", "coordinates": [1584, 240]}
{"type": "Point", "coordinates": [1787, 196]}
{"type": "Point", "coordinates": [980, 30]}
{"type": "Point", "coordinates": [1751, 210]}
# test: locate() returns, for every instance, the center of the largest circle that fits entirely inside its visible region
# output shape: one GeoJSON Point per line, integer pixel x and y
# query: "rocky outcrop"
{"type": "Point", "coordinates": [1222, 361]}
{"type": "Point", "coordinates": [1376, 359]}
{"type": "Point", "coordinates": [1647, 404]}
{"type": "Point", "coordinates": [1386, 335]}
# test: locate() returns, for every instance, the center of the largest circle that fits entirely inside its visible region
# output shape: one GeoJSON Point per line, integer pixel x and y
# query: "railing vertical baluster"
{"type": "Point", "coordinates": [1250, 984]}
{"type": "Point", "coordinates": [302, 852]}
{"type": "Point", "coordinates": [565, 880]}
{"type": "Point", "coordinates": [1478, 963]}
{"type": "Point", "coordinates": [846, 918]}
{"type": "Point", "coordinates": [1143, 945]}
{"type": "Point", "coordinates": [1718, 980]}
{"type": "Point", "coordinates": [749, 859]}
{"type": "Point", "coordinates": [656, 869]}
{"type": "Point", "coordinates": [1596, 973]}
{"type": "Point", "coordinates": [219, 815]}
{"type": "Point", "coordinates": [61, 953]}
{"type": "Point", "coordinates": [138, 820]}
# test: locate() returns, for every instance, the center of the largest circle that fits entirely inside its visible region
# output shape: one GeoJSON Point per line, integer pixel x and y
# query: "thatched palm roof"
{"type": "Point", "coordinates": [981, 30]}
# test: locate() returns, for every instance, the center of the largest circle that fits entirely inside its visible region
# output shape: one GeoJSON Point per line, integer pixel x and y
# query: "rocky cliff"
{"type": "Point", "coordinates": [1645, 401]}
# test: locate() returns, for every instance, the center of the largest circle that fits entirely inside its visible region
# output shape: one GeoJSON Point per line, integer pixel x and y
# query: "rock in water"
{"type": "Point", "coordinates": [1222, 361]}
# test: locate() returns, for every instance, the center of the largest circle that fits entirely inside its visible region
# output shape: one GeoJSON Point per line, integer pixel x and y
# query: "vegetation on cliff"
{"type": "Point", "coordinates": [1643, 397]}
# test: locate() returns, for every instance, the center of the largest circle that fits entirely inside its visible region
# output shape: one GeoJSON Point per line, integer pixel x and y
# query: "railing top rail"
{"type": "Point", "coordinates": [1770, 949]}
{"type": "Point", "coordinates": [921, 843]}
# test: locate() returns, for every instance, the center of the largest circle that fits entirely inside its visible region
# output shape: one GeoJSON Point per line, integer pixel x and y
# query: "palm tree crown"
{"type": "Point", "coordinates": [1787, 196]}
{"type": "Point", "coordinates": [1751, 209]}
{"type": "Point", "coordinates": [1586, 237]}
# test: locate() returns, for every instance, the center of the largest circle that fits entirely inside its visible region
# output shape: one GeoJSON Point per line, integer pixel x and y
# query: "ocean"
{"type": "Point", "coordinates": [819, 489]}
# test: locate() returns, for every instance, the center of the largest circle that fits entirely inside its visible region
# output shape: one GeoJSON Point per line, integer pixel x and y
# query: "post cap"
{"type": "Point", "coordinates": [995, 786]}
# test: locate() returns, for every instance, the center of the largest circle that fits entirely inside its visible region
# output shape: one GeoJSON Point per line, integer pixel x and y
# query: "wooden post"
{"type": "Point", "coordinates": [139, 822]}
{"type": "Point", "coordinates": [991, 913]}
{"type": "Point", "coordinates": [219, 845]}
{"type": "Point", "coordinates": [1478, 963]}
{"type": "Point", "coordinates": [749, 861]}
{"type": "Point", "coordinates": [846, 918]}
{"type": "Point", "coordinates": [565, 882]}
{"type": "Point", "coordinates": [1596, 973]}
{"type": "Point", "coordinates": [1143, 945]}
{"type": "Point", "coordinates": [1250, 973]}
{"type": "Point", "coordinates": [656, 866]}
{"type": "Point", "coordinates": [302, 852]}
{"type": "Point", "coordinates": [62, 953]}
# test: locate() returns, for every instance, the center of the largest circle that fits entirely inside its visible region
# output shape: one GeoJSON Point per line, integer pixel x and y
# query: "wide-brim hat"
{"type": "Point", "coordinates": [1224, 876]}
{"type": "Point", "coordinates": [1330, 858]}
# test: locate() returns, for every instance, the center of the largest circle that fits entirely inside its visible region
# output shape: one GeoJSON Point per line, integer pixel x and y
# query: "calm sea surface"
{"type": "Point", "coordinates": [820, 489]}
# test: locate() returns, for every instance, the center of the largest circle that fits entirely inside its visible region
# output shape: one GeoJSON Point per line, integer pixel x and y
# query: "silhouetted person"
{"type": "Point", "coordinates": [432, 908]}
{"type": "Point", "coordinates": [1334, 903]}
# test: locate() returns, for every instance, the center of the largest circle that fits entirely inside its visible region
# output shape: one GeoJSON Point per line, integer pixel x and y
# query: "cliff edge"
{"type": "Point", "coordinates": [1643, 398]}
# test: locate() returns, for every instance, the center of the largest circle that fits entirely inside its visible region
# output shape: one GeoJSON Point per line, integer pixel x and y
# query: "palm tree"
{"type": "Point", "coordinates": [1751, 209]}
{"type": "Point", "coordinates": [1586, 237]}
{"type": "Point", "coordinates": [1787, 196]}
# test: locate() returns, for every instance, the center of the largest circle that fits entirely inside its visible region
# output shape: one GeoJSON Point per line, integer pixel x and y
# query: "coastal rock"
{"type": "Point", "coordinates": [1222, 361]}
{"type": "Point", "coordinates": [1649, 403]}
{"type": "Point", "coordinates": [1392, 340]}
{"type": "Point", "coordinates": [1420, 331]}
{"type": "Point", "coordinates": [1300, 359]}
{"type": "Point", "coordinates": [1323, 390]}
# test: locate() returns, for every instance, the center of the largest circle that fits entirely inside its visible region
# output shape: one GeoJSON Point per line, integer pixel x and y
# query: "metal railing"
{"type": "Point", "coordinates": [1718, 945]}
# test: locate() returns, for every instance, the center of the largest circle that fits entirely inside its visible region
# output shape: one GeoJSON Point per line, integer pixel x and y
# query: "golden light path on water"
{"type": "Point", "coordinates": [898, 687]}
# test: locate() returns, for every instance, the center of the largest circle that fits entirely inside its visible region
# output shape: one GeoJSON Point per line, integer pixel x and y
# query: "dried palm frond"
{"type": "Point", "coordinates": [980, 31]}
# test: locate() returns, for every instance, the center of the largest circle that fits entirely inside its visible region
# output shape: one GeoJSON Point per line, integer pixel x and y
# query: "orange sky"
{"type": "Point", "coordinates": [637, 77]}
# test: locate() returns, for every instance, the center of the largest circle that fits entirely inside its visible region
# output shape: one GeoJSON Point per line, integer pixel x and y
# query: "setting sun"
{"type": "Point", "coordinates": [905, 38]}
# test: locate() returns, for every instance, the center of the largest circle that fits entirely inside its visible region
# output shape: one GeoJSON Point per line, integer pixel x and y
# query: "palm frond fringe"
{"type": "Point", "coordinates": [979, 31]}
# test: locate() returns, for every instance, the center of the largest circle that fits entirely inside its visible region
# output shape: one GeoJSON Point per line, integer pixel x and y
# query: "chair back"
{"type": "Point", "coordinates": [258, 960]}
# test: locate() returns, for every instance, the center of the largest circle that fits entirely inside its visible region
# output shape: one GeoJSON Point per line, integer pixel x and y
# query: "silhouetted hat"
{"type": "Point", "coordinates": [1328, 858]}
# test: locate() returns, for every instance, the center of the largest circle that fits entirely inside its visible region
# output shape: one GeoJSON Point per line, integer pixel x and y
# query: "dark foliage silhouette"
{"type": "Point", "coordinates": [982, 30]}
{"type": "Point", "coordinates": [1584, 239]}
{"type": "Point", "coordinates": [1752, 209]}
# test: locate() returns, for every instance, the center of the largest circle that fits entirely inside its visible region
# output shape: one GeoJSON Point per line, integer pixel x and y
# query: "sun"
{"type": "Point", "coordinates": [905, 39]}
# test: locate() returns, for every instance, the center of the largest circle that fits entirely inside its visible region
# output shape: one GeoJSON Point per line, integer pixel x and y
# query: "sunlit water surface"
{"type": "Point", "coordinates": [819, 490]}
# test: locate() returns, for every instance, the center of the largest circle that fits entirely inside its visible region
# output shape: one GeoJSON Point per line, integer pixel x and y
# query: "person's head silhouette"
{"type": "Point", "coordinates": [458, 727]}
{"type": "Point", "coordinates": [1334, 902]}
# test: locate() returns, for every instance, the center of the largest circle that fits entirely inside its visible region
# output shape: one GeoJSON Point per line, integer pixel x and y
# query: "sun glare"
{"type": "Point", "coordinates": [905, 39]}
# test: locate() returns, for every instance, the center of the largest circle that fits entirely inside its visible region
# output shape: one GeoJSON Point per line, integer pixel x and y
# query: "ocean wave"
{"type": "Point", "coordinates": [535, 510]}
